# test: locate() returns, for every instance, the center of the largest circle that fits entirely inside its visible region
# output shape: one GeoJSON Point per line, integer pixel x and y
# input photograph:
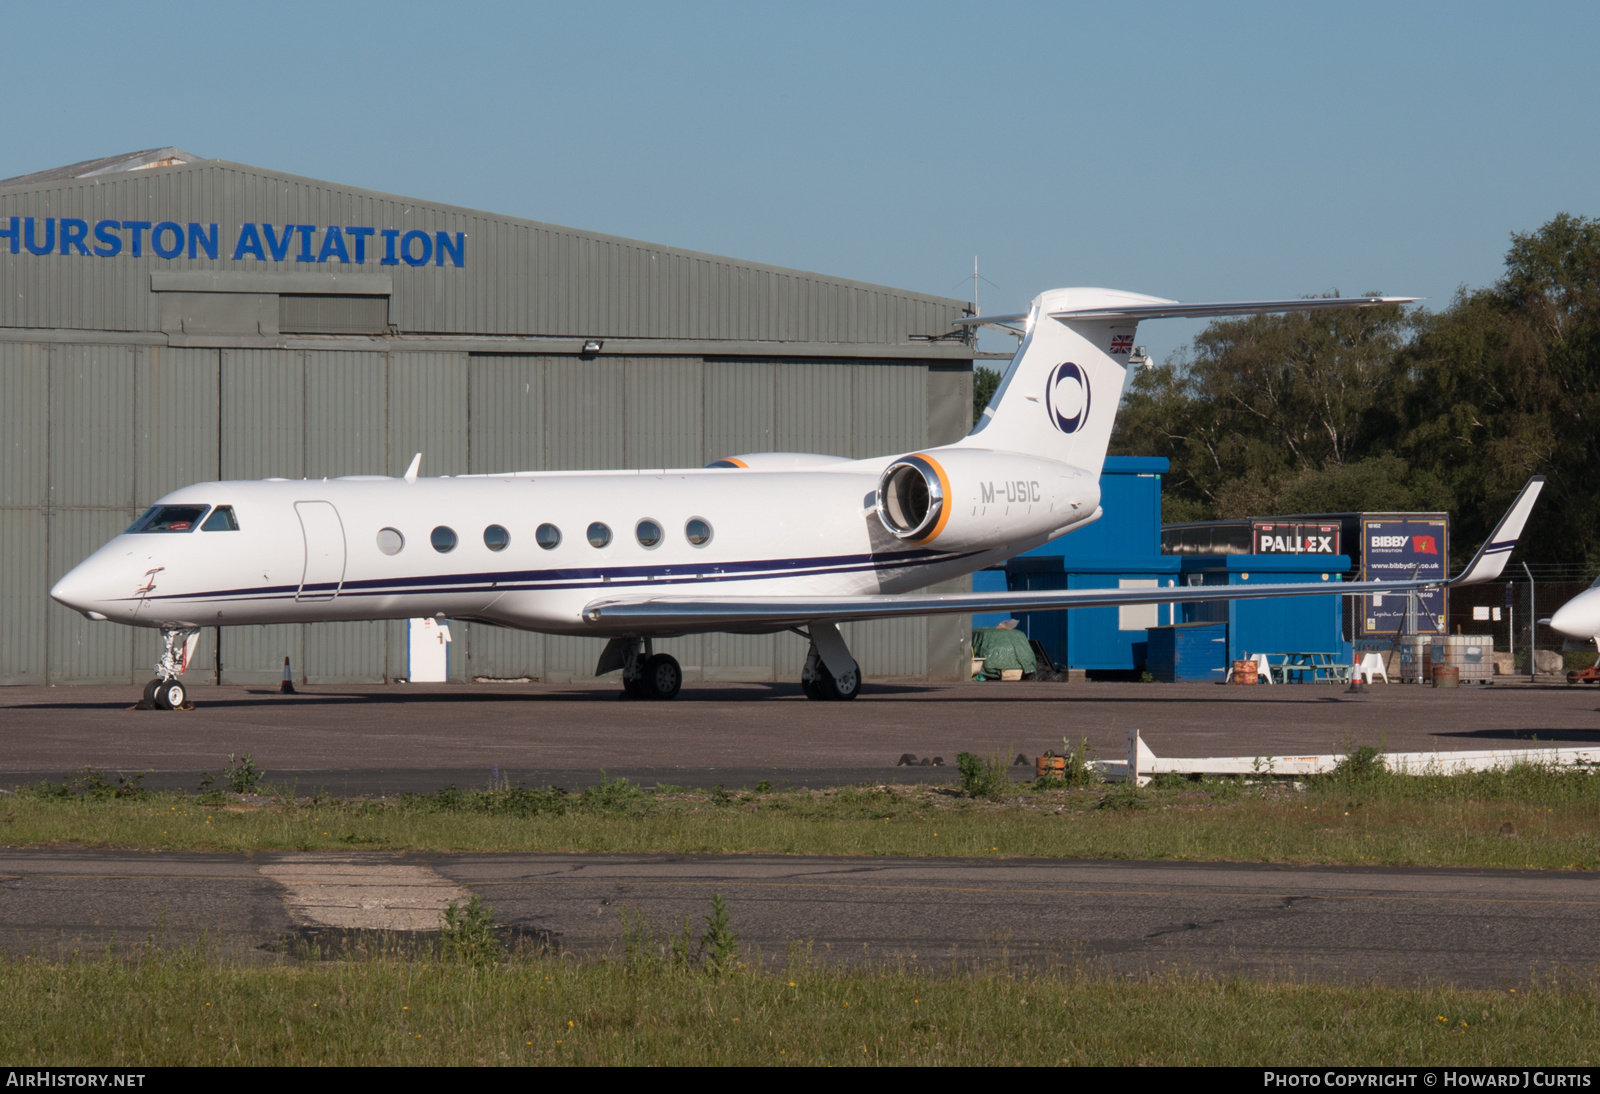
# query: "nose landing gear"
{"type": "Point", "coordinates": [166, 691]}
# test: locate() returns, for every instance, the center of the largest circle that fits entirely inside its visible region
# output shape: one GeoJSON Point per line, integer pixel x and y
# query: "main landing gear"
{"type": "Point", "coordinates": [830, 673]}
{"type": "Point", "coordinates": [166, 691]}
{"type": "Point", "coordinates": [645, 673]}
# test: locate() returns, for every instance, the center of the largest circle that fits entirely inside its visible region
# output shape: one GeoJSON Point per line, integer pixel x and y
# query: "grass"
{"type": "Point", "coordinates": [189, 1007]}
{"type": "Point", "coordinates": [1528, 816]}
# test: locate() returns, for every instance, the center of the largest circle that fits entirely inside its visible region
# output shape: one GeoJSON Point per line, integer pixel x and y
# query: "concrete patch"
{"type": "Point", "coordinates": [350, 892]}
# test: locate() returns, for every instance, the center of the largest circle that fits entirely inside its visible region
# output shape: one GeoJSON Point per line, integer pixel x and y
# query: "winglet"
{"type": "Point", "coordinates": [416, 465]}
{"type": "Point", "coordinates": [1492, 556]}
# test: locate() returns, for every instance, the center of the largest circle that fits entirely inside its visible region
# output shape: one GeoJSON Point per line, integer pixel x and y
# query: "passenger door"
{"type": "Point", "coordinates": [324, 540]}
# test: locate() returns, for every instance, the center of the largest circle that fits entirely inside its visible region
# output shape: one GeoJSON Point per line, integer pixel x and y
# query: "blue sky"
{"type": "Point", "coordinates": [1192, 151]}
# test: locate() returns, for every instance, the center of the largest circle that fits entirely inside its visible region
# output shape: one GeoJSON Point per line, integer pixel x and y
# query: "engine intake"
{"type": "Point", "coordinates": [911, 498]}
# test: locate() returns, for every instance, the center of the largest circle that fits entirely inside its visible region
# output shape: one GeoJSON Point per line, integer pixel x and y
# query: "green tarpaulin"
{"type": "Point", "coordinates": [1002, 648]}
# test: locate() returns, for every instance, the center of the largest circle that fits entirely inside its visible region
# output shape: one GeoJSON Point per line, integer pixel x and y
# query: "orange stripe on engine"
{"type": "Point", "coordinates": [944, 506]}
{"type": "Point", "coordinates": [735, 460]}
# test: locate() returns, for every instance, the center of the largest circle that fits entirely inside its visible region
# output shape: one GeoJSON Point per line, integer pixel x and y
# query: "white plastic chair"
{"type": "Point", "coordinates": [1372, 663]}
{"type": "Point", "coordinates": [1263, 668]}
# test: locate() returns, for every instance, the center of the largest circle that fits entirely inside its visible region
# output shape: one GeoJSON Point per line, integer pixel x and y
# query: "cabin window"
{"type": "Point", "coordinates": [390, 541]}
{"type": "Point", "coordinates": [548, 536]}
{"type": "Point", "coordinates": [697, 532]}
{"type": "Point", "coordinates": [443, 539]}
{"type": "Point", "coordinates": [169, 518]}
{"type": "Point", "coordinates": [496, 538]}
{"type": "Point", "coordinates": [599, 535]}
{"type": "Point", "coordinates": [649, 533]}
{"type": "Point", "coordinates": [221, 520]}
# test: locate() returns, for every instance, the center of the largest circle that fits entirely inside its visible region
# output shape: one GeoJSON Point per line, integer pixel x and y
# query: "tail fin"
{"type": "Point", "coordinates": [1491, 558]}
{"type": "Point", "coordinates": [1058, 397]}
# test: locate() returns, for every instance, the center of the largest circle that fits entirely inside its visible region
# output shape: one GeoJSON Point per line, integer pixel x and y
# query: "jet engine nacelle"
{"type": "Point", "coordinates": [968, 498]}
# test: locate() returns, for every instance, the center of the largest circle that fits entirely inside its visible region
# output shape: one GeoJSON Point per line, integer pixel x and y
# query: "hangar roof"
{"type": "Point", "coordinates": [99, 244]}
{"type": "Point", "coordinates": [106, 165]}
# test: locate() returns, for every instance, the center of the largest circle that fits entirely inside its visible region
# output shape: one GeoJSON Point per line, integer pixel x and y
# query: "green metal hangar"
{"type": "Point", "coordinates": [167, 319]}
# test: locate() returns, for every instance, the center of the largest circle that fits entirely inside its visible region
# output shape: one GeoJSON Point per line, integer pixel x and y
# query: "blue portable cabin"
{"type": "Point", "coordinates": [1189, 652]}
{"type": "Point", "coordinates": [1124, 549]}
{"type": "Point", "coordinates": [1295, 624]}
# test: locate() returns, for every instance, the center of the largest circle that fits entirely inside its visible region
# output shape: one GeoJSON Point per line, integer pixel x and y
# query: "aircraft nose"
{"type": "Point", "coordinates": [1579, 617]}
{"type": "Point", "coordinates": [78, 590]}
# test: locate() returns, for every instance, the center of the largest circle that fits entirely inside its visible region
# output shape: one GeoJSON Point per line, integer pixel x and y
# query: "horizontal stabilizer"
{"type": "Point", "coordinates": [1172, 309]}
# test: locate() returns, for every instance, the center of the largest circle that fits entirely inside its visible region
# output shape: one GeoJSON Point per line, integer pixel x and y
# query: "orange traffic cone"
{"type": "Point", "coordinates": [287, 687]}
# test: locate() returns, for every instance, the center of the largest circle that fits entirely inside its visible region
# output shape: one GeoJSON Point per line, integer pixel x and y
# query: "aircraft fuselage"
{"type": "Point", "coordinates": [366, 548]}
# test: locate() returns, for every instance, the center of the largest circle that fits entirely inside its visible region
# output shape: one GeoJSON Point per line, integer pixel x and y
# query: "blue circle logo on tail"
{"type": "Point", "coordinates": [1067, 397]}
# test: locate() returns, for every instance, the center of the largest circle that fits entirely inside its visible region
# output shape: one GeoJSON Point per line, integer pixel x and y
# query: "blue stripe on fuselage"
{"type": "Point", "coordinates": [600, 578]}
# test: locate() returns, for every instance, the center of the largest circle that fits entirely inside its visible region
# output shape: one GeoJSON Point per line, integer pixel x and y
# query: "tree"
{"type": "Point", "coordinates": [1506, 384]}
{"type": "Point", "coordinates": [984, 382]}
{"type": "Point", "coordinates": [1379, 409]}
{"type": "Point", "coordinates": [1267, 404]}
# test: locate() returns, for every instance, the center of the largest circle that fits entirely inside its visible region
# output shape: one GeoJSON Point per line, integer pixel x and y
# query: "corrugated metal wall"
{"type": "Point", "coordinates": [90, 432]}
{"type": "Point", "coordinates": [518, 276]}
{"type": "Point", "coordinates": [97, 419]}
{"type": "Point", "coordinates": [93, 433]}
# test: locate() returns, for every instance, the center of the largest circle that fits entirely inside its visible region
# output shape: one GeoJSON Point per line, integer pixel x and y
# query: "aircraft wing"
{"type": "Point", "coordinates": [699, 612]}
{"type": "Point", "coordinates": [703, 612]}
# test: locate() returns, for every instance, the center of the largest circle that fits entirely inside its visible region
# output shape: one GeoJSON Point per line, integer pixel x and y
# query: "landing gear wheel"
{"type": "Point", "coordinates": [171, 694]}
{"type": "Point", "coordinates": [812, 689]}
{"type": "Point", "coordinates": [662, 677]}
{"type": "Point", "coordinates": [148, 695]}
{"type": "Point", "coordinates": [832, 687]}
{"type": "Point", "coordinates": [634, 688]}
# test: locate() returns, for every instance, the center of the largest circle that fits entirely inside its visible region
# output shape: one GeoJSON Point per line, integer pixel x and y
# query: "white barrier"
{"type": "Point", "coordinates": [1142, 763]}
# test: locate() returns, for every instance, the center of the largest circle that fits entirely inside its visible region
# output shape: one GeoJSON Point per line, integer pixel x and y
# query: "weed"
{"type": "Point", "coordinates": [1359, 767]}
{"type": "Point", "coordinates": [715, 953]}
{"type": "Point", "coordinates": [1079, 771]}
{"type": "Point", "coordinates": [720, 796]}
{"type": "Point", "coordinates": [93, 785]}
{"type": "Point", "coordinates": [517, 802]}
{"type": "Point", "coordinates": [242, 775]}
{"type": "Point", "coordinates": [763, 787]}
{"type": "Point", "coordinates": [614, 796]}
{"type": "Point", "coordinates": [1223, 788]}
{"type": "Point", "coordinates": [1125, 796]}
{"type": "Point", "coordinates": [983, 777]}
{"type": "Point", "coordinates": [466, 936]}
{"type": "Point", "coordinates": [719, 946]}
{"type": "Point", "coordinates": [681, 950]}
{"type": "Point", "coordinates": [1169, 780]}
{"type": "Point", "coordinates": [638, 939]}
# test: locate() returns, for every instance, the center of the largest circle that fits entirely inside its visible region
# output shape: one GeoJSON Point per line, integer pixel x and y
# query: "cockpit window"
{"type": "Point", "coordinates": [170, 518]}
{"type": "Point", "coordinates": [221, 520]}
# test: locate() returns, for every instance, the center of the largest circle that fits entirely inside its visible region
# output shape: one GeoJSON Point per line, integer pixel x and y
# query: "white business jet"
{"type": "Point", "coordinates": [1580, 616]}
{"type": "Point", "coordinates": [756, 543]}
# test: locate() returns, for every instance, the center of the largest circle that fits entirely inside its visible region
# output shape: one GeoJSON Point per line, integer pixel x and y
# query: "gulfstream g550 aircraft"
{"type": "Point", "coordinates": [754, 543]}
